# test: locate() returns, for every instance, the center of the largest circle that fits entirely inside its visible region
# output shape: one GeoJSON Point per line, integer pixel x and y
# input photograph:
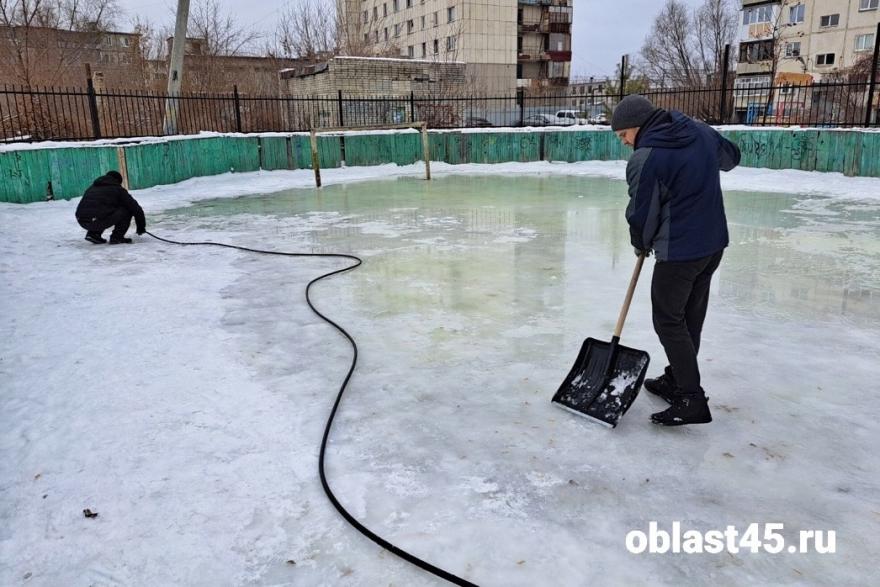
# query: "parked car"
{"type": "Point", "coordinates": [540, 120]}
{"type": "Point", "coordinates": [599, 119]}
{"type": "Point", "coordinates": [476, 121]}
{"type": "Point", "coordinates": [570, 117]}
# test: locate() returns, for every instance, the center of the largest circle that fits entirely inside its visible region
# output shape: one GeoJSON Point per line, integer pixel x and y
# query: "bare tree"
{"type": "Point", "coordinates": [716, 26]}
{"type": "Point", "coordinates": [29, 56]}
{"type": "Point", "coordinates": [685, 48]}
{"type": "Point", "coordinates": [152, 50]}
{"type": "Point", "coordinates": [220, 32]}
{"type": "Point", "coordinates": [307, 30]}
{"type": "Point", "coordinates": [217, 35]}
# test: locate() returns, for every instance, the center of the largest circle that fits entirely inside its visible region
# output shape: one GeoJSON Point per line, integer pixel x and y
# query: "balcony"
{"type": "Point", "coordinates": [559, 55]}
{"type": "Point", "coordinates": [537, 56]}
{"type": "Point", "coordinates": [529, 27]}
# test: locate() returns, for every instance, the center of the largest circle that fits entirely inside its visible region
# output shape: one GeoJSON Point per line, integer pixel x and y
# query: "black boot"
{"type": "Point", "coordinates": [687, 408]}
{"type": "Point", "coordinates": [115, 240]}
{"type": "Point", "coordinates": [664, 386]}
{"type": "Point", "coordinates": [95, 237]}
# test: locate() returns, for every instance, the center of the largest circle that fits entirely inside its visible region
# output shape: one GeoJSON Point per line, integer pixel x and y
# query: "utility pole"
{"type": "Point", "coordinates": [175, 69]}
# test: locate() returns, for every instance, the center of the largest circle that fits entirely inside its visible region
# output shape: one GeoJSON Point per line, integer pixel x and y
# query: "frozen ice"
{"type": "Point", "coordinates": [181, 392]}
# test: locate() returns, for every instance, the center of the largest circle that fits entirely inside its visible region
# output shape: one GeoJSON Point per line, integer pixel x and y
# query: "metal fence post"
{"type": "Point", "coordinates": [237, 108]}
{"type": "Point", "coordinates": [872, 80]}
{"type": "Point", "coordinates": [412, 106]}
{"type": "Point", "coordinates": [339, 101]}
{"type": "Point", "coordinates": [521, 98]}
{"type": "Point", "coordinates": [93, 109]}
{"type": "Point", "coordinates": [725, 70]}
{"type": "Point", "coordinates": [622, 92]}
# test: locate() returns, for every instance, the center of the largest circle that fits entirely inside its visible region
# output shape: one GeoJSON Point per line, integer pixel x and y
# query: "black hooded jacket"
{"type": "Point", "coordinates": [104, 197]}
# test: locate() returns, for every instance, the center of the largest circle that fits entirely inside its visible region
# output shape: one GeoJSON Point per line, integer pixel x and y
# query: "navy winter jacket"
{"type": "Point", "coordinates": [675, 205]}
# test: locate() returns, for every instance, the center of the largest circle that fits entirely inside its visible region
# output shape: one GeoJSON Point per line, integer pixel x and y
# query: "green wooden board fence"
{"type": "Point", "coordinates": [25, 175]}
{"type": "Point", "coordinates": [275, 153]}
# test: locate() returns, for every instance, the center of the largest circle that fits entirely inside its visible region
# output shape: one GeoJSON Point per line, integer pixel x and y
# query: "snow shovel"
{"type": "Point", "coordinates": [606, 377]}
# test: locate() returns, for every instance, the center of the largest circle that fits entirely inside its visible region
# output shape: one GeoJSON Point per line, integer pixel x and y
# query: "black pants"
{"type": "Point", "coordinates": [679, 298]}
{"type": "Point", "coordinates": [120, 220]}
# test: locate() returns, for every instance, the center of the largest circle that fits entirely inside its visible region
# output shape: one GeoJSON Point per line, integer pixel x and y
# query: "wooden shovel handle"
{"type": "Point", "coordinates": [629, 296]}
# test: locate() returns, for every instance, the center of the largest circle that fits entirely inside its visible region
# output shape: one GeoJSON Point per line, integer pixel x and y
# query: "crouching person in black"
{"type": "Point", "coordinates": [106, 203]}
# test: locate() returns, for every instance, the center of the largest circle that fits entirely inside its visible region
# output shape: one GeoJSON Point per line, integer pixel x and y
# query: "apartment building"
{"type": "Point", "coordinates": [799, 42]}
{"type": "Point", "coordinates": [592, 96]}
{"type": "Point", "coordinates": [504, 44]}
{"type": "Point", "coordinates": [544, 43]}
{"type": "Point", "coordinates": [55, 57]}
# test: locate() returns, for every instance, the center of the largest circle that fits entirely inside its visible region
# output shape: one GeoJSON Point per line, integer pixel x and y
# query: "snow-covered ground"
{"type": "Point", "coordinates": [181, 393]}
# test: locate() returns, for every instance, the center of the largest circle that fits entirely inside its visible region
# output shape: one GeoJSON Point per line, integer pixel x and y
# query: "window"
{"type": "Point", "coordinates": [864, 42]}
{"type": "Point", "coordinates": [450, 44]}
{"type": "Point", "coordinates": [423, 22]}
{"type": "Point", "coordinates": [868, 4]}
{"type": "Point", "coordinates": [751, 86]}
{"type": "Point", "coordinates": [434, 20]}
{"type": "Point", "coordinates": [366, 16]}
{"type": "Point", "coordinates": [756, 51]}
{"type": "Point", "coordinates": [409, 3]}
{"type": "Point", "coordinates": [758, 14]}
{"type": "Point", "coordinates": [385, 9]}
{"type": "Point", "coordinates": [410, 25]}
{"type": "Point", "coordinates": [424, 50]}
{"type": "Point", "coordinates": [410, 51]}
{"type": "Point", "coordinates": [386, 33]}
{"type": "Point", "coordinates": [436, 46]}
{"type": "Point", "coordinates": [366, 37]}
{"type": "Point", "coordinates": [825, 59]}
{"type": "Point", "coordinates": [796, 13]}
{"type": "Point", "coordinates": [829, 20]}
{"type": "Point", "coordinates": [793, 49]}
{"type": "Point", "coordinates": [396, 5]}
{"type": "Point", "coordinates": [450, 14]}
{"type": "Point", "coordinates": [124, 41]}
{"type": "Point", "coordinates": [396, 30]}
{"type": "Point", "coordinates": [376, 36]}
{"type": "Point", "coordinates": [375, 13]}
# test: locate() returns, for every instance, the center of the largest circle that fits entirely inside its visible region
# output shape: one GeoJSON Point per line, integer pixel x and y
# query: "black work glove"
{"type": "Point", "coordinates": [640, 252]}
{"type": "Point", "coordinates": [141, 229]}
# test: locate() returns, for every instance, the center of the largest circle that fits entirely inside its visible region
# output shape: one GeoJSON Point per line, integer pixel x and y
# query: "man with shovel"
{"type": "Point", "coordinates": [676, 210]}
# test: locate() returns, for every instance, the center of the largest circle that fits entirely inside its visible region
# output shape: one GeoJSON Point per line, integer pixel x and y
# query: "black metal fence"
{"type": "Point", "coordinates": [31, 114]}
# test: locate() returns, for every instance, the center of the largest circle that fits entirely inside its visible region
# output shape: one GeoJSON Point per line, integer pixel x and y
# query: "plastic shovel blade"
{"type": "Point", "coordinates": [604, 381]}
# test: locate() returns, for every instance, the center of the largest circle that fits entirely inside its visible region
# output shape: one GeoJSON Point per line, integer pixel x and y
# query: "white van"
{"type": "Point", "coordinates": [569, 117]}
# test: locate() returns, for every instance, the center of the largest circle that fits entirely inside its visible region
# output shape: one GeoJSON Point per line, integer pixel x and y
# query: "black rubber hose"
{"type": "Point", "coordinates": [345, 514]}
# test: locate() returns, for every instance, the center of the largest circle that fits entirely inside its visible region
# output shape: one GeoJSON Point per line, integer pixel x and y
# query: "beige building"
{"type": "Point", "coordinates": [399, 84]}
{"type": "Point", "coordinates": [204, 72]}
{"type": "Point", "coordinates": [799, 42]}
{"type": "Point", "coordinates": [544, 44]}
{"type": "Point", "coordinates": [39, 56]}
{"type": "Point", "coordinates": [592, 97]}
{"type": "Point", "coordinates": [505, 44]}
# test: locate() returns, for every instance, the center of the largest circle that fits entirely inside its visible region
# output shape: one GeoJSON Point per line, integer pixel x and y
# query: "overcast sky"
{"type": "Point", "coordinates": [603, 29]}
